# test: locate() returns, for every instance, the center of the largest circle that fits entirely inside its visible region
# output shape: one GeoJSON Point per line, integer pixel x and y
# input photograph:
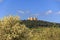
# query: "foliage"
{"type": "Point", "coordinates": [39, 23]}
{"type": "Point", "coordinates": [11, 29]}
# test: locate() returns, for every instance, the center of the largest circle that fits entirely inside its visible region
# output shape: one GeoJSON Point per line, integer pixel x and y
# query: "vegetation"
{"type": "Point", "coordinates": [39, 23]}
{"type": "Point", "coordinates": [12, 28]}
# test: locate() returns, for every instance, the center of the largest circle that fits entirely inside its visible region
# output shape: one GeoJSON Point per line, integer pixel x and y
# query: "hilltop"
{"type": "Point", "coordinates": [39, 23]}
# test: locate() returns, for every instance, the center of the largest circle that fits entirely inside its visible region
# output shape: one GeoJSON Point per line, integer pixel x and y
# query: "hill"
{"type": "Point", "coordinates": [39, 23]}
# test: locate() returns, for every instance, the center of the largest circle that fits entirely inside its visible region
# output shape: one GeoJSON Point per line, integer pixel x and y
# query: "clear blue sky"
{"type": "Point", "coordinates": [48, 10]}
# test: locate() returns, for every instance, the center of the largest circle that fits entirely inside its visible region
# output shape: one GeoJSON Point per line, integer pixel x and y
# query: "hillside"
{"type": "Point", "coordinates": [39, 23]}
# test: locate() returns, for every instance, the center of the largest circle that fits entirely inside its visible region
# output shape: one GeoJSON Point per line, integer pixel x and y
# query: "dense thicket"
{"type": "Point", "coordinates": [38, 23]}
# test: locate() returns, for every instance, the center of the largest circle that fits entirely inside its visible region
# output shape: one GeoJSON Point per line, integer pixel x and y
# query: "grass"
{"type": "Point", "coordinates": [47, 33]}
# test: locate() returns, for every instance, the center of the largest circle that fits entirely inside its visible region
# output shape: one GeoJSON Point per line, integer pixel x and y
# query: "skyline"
{"type": "Point", "coordinates": [47, 10]}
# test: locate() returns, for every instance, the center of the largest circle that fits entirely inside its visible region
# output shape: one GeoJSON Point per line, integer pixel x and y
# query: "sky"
{"type": "Point", "coordinates": [47, 10]}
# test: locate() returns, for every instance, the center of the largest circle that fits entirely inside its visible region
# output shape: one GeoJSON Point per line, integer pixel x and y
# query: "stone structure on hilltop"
{"type": "Point", "coordinates": [32, 18]}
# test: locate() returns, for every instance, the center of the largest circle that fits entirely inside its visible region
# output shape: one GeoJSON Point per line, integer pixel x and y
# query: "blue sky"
{"type": "Point", "coordinates": [48, 10]}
